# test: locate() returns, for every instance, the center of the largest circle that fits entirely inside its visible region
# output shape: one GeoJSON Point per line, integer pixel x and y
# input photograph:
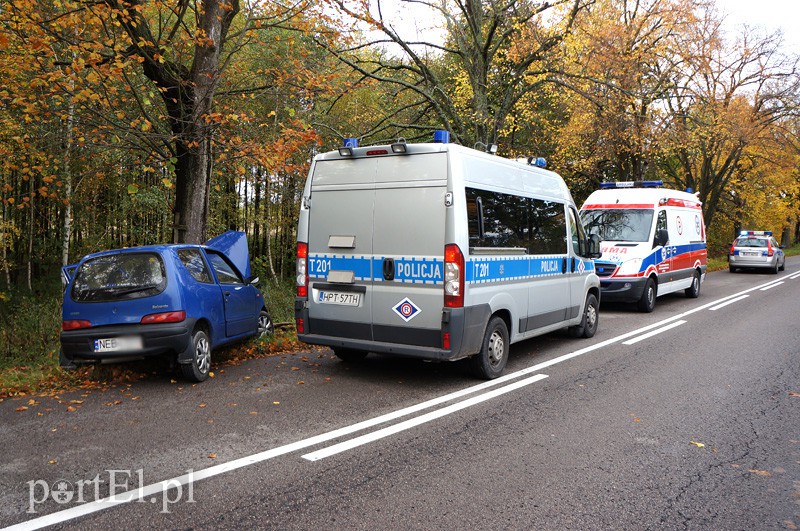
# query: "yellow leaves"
{"type": "Point", "coordinates": [212, 456]}
{"type": "Point", "coordinates": [698, 444]}
{"type": "Point", "coordinates": [762, 473]}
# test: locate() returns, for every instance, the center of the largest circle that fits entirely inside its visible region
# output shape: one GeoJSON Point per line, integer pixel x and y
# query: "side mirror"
{"type": "Point", "coordinates": [594, 246]}
{"type": "Point", "coordinates": [253, 280]}
{"type": "Point", "coordinates": [662, 238]}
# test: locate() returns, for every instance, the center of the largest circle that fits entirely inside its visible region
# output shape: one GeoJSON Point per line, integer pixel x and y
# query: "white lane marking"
{"type": "Point", "coordinates": [654, 332]}
{"type": "Point", "coordinates": [795, 276]}
{"type": "Point", "coordinates": [765, 288]}
{"type": "Point", "coordinates": [163, 486]}
{"type": "Point", "coordinates": [416, 421]}
{"type": "Point", "coordinates": [737, 299]}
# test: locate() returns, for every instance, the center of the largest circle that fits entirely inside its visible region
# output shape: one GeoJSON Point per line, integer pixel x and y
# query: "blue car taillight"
{"type": "Point", "coordinates": [75, 324]}
{"type": "Point", "coordinates": [164, 317]}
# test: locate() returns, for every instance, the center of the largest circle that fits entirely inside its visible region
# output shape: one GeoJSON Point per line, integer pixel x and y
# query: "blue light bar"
{"type": "Point", "coordinates": [540, 162]}
{"type": "Point", "coordinates": [631, 184]}
{"type": "Point", "coordinates": [755, 233]}
{"type": "Point", "coordinates": [350, 142]}
{"type": "Point", "coordinates": [441, 137]}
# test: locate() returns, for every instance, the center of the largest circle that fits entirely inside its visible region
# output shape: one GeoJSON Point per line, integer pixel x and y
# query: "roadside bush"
{"type": "Point", "coordinates": [29, 327]}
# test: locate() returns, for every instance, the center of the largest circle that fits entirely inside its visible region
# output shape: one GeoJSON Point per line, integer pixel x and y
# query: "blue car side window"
{"type": "Point", "coordinates": [195, 264]}
{"type": "Point", "coordinates": [225, 273]}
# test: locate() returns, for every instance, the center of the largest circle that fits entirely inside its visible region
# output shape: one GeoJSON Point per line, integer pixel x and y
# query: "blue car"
{"type": "Point", "coordinates": [180, 301]}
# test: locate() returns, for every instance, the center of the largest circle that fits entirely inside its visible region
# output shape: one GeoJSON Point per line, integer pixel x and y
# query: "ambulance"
{"type": "Point", "coordinates": [652, 240]}
{"type": "Point", "coordinates": [440, 252]}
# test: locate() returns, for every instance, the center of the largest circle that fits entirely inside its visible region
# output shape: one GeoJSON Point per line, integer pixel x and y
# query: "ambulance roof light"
{"type": "Point", "coordinates": [631, 184]}
{"type": "Point", "coordinates": [347, 148]}
{"type": "Point", "coordinates": [441, 137]}
{"type": "Point", "coordinates": [540, 162]}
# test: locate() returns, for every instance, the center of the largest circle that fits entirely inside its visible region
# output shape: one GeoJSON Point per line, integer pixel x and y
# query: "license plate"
{"type": "Point", "coordinates": [751, 254]}
{"type": "Point", "coordinates": [118, 343]}
{"type": "Point", "coordinates": [336, 297]}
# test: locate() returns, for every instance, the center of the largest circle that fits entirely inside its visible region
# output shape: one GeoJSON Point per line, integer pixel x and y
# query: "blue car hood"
{"type": "Point", "coordinates": [233, 244]}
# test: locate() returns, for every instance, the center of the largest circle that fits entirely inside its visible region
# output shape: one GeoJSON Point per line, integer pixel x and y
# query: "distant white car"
{"type": "Point", "coordinates": [756, 250]}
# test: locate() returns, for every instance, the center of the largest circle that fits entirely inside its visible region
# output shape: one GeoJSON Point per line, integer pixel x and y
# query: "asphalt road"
{"type": "Point", "coordinates": [693, 427]}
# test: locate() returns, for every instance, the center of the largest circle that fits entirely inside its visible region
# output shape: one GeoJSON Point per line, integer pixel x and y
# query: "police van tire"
{"type": "Point", "coordinates": [490, 362]}
{"type": "Point", "coordinates": [694, 290]}
{"type": "Point", "coordinates": [588, 325]}
{"type": "Point", "coordinates": [199, 366]}
{"type": "Point", "coordinates": [647, 302]}
{"type": "Point", "coordinates": [349, 355]}
{"type": "Point", "coordinates": [774, 270]}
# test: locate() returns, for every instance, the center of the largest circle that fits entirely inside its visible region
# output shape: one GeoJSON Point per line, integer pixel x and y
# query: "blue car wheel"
{"type": "Point", "coordinates": [200, 365]}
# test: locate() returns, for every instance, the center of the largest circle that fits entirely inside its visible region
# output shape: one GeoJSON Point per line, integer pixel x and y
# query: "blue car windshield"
{"type": "Point", "coordinates": [619, 225]}
{"type": "Point", "coordinates": [119, 276]}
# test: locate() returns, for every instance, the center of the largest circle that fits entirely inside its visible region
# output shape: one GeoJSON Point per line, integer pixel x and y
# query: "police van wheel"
{"type": "Point", "coordinates": [693, 291]}
{"type": "Point", "coordinates": [349, 355]}
{"type": "Point", "coordinates": [647, 303]}
{"type": "Point", "coordinates": [588, 325]}
{"type": "Point", "coordinates": [491, 360]}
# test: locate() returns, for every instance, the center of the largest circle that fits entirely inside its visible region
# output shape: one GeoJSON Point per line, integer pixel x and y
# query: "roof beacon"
{"type": "Point", "coordinates": [755, 233]}
{"type": "Point", "coordinates": [441, 137]}
{"type": "Point", "coordinates": [347, 148]}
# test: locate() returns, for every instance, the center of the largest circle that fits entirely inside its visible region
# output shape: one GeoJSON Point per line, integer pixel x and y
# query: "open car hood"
{"type": "Point", "coordinates": [233, 244]}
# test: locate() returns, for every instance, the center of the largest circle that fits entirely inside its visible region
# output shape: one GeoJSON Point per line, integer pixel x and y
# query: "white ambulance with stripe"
{"type": "Point", "coordinates": [440, 252]}
{"type": "Point", "coordinates": [653, 241]}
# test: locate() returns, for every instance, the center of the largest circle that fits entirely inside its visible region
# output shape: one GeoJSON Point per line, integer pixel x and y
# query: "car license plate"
{"type": "Point", "coordinates": [336, 297]}
{"type": "Point", "coordinates": [113, 344]}
{"type": "Point", "coordinates": [751, 254]}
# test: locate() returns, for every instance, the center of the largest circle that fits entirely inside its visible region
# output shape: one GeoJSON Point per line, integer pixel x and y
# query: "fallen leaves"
{"type": "Point", "coordinates": [698, 444]}
{"type": "Point", "coordinates": [212, 456]}
{"type": "Point", "coordinates": [762, 473]}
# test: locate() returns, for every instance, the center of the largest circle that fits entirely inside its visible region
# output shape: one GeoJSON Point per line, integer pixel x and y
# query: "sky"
{"type": "Point", "coordinates": [770, 15]}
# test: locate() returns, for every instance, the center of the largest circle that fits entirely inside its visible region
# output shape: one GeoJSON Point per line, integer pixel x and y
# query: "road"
{"type": "Point", "coordinates": [686, 418]}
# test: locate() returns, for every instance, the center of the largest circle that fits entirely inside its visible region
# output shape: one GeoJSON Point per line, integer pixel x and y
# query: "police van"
{"type": "Point", "coordinates": [440, 252]}
{"type": "Point", "coordinates": [653, 241]}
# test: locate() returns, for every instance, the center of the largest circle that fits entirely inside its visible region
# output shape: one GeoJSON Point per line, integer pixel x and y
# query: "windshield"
{"type": "Point", "coordinates": [619, 225]}
{"type": "Point", "coordinates": [121, 276]}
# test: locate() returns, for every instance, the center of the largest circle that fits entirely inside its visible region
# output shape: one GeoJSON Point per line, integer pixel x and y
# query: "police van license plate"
{"type": "Point", "coordinates": [751, 254]}
{"type": "Point", "coordinates": [336, 297]}
{"type": "Point", "coordinates": [118, 343]}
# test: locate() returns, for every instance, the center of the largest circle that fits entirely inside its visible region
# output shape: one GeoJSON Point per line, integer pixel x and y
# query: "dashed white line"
{"type": "Point", "coordinates": [654, 332]}
{"type": "Point", "coordinates": [416, 421]}
{"type": "Point", "coordinates": [765, 288]}
{"type": "Point", "coordinates": [737, 299]}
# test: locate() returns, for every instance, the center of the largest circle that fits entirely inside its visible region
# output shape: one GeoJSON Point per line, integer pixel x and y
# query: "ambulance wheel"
{"type": "Point", "coordinates": [588, 325]}
{"type": "Point", "coordinates": [693, 291]}
{"type": "Point", "coordinates": [349, 355]}
{"type": "Point", "coordinates": [647, 302]}
{"type": "Point", "coordinates": [200, 364]}
{"type": "Point", "coordinates": [491, 360]}
{"type": "Point", "coordinates": [731, 269]}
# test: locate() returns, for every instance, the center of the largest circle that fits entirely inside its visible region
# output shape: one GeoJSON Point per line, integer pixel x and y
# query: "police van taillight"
{"type": "Point", "coordinates": [770, 250]}
{"type": "Point", "coordinates": [302, 269]}
{"type": "Point", "coordinates": [453, 277]}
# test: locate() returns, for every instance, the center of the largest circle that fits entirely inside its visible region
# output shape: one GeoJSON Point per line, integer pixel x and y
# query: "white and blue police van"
{"type": "Point", "coordinates": [440, 252]}
{"type": "Point", "coordinates": [652, 240]}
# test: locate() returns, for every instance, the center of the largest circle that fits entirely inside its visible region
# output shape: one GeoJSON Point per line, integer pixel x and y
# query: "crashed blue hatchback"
{"type": "Point", "coordinates": [178, 300]}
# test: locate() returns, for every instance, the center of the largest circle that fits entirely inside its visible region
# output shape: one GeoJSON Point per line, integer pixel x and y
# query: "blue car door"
{"type": "Point", "coordinates": [238, 297]}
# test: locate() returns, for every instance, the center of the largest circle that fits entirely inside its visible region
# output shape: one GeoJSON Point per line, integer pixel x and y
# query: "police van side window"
{"type": "Point", "coordinates": [510, 221]}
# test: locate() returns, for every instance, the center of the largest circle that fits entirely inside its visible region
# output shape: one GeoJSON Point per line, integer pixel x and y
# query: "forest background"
{"type": "Point", "coordinates": [129, 122]}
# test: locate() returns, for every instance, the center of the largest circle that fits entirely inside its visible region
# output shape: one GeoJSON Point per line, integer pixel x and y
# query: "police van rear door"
{"type": "Point", "coordinates": [408, 246]}
{"type": "Point", "coordinates": [340, 247]}
{"type": "Point", "coordinates": [375, 249]}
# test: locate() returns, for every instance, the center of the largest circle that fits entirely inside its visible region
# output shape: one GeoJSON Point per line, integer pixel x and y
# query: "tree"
{"type": "Point", "coordinates": [494, 54]}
